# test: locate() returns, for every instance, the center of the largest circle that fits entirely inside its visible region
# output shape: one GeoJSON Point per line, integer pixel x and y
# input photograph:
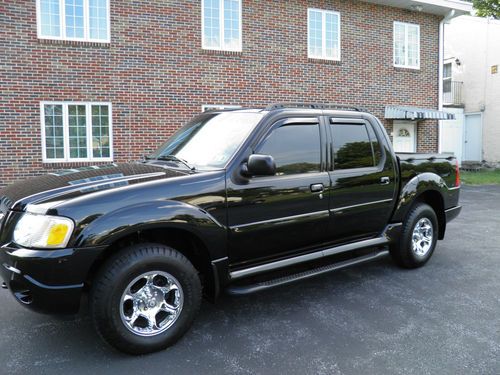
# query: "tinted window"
{"type": "Point", "coordinates": [377, 150]}
{"type": "Point", "coordinates": [351, 146]}
{"type": "Point", "coordinates": [295, 148]}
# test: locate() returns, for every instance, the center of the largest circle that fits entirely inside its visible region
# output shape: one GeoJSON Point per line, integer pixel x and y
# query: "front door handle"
{"type": "Point", "coordinates": [385, 180]}
{"type": "Point", "coordinates": [317, 188]}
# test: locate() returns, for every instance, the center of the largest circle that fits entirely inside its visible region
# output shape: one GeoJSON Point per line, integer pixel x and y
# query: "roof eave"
{"type": "Point", "coordinates": [437, 7]}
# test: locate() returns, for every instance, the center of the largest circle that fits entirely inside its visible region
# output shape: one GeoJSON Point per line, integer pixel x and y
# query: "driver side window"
{"type": "Point", "coordinates": [295, 148]}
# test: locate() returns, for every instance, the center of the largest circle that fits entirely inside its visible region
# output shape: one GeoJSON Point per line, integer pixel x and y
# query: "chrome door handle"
{"type": "Point", "coordinates": [385, 180]}
{"type": "Point", "coordinates": [317, 188]}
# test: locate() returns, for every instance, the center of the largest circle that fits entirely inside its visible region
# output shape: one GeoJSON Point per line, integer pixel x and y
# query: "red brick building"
{"type": "Point", "coordinates": [94, 81]}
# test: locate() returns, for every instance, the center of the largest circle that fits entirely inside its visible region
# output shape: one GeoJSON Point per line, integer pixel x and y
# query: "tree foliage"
{"type": "Point", "coordinates": [487, 8]}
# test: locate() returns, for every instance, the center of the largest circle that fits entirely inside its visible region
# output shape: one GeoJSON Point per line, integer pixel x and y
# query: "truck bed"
{"type": "Point", "coordinates": [412, 164]}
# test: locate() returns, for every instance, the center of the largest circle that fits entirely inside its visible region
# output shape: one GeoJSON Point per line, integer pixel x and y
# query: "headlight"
{"type": "Point", "coordinates": [40, 231]}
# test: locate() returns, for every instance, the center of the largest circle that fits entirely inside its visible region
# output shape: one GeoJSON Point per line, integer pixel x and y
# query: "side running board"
{"type": "Point", "coordinates": [257, 287]}
{"type": "Point", "coordinates": [374, 242]}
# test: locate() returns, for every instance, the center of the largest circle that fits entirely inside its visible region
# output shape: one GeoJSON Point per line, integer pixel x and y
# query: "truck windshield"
{"type": "Point", "coordinates": [209, 140]}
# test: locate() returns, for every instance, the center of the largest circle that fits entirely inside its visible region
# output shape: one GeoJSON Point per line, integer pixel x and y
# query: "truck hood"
{"type": "Point", "coordinates": [42, 192]}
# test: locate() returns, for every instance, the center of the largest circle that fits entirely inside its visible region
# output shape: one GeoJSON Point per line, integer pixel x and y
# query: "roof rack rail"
{"type": "Point", "coordinates": [313, 106]}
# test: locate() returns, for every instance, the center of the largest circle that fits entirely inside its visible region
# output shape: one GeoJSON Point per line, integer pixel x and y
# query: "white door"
{"type": "Point", "coordinates": [451, 134]}
{"type": "Point", "coordinates": [403, 136]}
{"type": "Point", "coordinates": [473, 137]}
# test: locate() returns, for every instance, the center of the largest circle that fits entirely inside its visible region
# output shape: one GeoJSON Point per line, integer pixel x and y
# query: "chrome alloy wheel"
{"type": "Point", "coordinates": [422, 237]}
{"type": "Point", "coordinates": [151, 303]}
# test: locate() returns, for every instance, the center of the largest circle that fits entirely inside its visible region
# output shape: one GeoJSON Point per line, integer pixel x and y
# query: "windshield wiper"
{"type": "Point", "coordinates": [176, 159]}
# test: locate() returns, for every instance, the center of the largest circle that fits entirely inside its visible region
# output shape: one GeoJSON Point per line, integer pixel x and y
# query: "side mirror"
{"type": "Point", "coordinates": [260, 165]}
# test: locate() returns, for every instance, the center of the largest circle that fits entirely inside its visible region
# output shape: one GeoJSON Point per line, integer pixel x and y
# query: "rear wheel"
{"type": "Point", "coordinates": [418, 237]}
{"type": "Point", "coordinates": [145, 298]}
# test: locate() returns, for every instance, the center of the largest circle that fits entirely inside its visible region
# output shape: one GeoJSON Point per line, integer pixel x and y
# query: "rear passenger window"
{"type": "Point", "coordinates": [377, 150]}
{"type": "Point", "coordinates": [352, 147]}
{"type": "Point", "coordinates": [294, 147]}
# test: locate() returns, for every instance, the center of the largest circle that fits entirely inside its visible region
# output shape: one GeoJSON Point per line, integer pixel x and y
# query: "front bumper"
{"type": "Point", "coordinates": [48, 281]}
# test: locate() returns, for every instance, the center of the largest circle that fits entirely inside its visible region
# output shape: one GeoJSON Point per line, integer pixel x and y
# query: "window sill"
{"type": "Point", "coordinates": [76, 43]}
{"type": "Point", "coordinates": [324, 61]}
{"type": "Point", "coordinates": [221, 52]}
{"type": "Point", "coordinates": [406, 68]}
{"type": "Point", "coordinates": [73, 164]}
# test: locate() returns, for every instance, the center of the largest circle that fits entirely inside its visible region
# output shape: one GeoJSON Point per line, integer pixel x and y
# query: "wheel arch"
{"type": "Point", "coordinates": [181, 239]}
{"type": "Point", "coordinates": [426, 188]}
{"type": "Point", "coordinates": [434, 199]}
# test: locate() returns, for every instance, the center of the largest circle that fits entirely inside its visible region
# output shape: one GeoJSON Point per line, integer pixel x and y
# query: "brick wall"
{"type": "Point", "coordinates": [157, 76]}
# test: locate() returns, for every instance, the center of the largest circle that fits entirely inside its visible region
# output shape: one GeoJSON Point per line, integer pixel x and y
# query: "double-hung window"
{"type": "Point", "coordinates": [221, 25]}
{"type": "Point", "coordinates": [323, 34]}
{"type": "Point", "coordinates": [74, 131]}
{"type": "Point", "coordinates": [447, 69]}
{"type": "Point", "coordinates": [79, 20]}
{"type": "Point", "coordinates": [406, 45]}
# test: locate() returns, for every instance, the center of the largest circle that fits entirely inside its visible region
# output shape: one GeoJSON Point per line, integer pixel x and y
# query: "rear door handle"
{"type": "Point", "coordinates": [385, 180]}
{"type": "Point", "coordinates": [317, 188]}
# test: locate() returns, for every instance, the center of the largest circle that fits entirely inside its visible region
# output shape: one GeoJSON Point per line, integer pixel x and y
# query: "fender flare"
{"type": "Point", "coordinates": [109, 228]}
{"type": "Point", "coordinates": [417, 186]}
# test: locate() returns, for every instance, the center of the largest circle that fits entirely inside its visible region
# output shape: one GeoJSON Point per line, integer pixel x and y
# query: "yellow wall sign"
{"type": "Point", "coordinates": [494, 69]}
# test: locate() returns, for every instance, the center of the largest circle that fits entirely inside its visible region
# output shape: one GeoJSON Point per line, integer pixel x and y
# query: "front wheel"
{"type": "Point", "coordinates": [145, 298]}
{"type": "Point", "coordinates": [418, 237]}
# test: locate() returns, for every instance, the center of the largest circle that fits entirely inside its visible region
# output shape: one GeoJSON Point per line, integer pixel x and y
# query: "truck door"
{"type": "Point", "coordinates": [364, 180]}
{"type": "Point", "coordinates": [277, 215]}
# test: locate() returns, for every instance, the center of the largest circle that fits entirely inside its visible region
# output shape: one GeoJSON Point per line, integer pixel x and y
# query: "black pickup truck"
{"type": "Point", "coordinates": [236, 201]}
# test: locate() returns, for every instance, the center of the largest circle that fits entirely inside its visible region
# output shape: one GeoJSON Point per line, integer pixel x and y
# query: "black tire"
{"type": "Point", "coordinates": [114, 278]}
{"type": "Point", "coordinates": [402, 251]}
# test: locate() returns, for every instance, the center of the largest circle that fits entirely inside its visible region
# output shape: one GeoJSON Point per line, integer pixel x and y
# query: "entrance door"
{"type": "Point", "coordinates": [404, 139]}
{"type": "Point", "coordinates": [451, 134]}
{"type": "Point", "coordinates": [473, 137]}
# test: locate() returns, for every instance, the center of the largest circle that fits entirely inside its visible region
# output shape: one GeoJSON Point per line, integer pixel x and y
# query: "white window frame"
{"type": "Point", "coordinates": [221, 46]}
{"type": "Point", "coordinates": [62, 24]}
{"type": "Point", "coordinates": [88, 115]}
{"type": "Point", "coordinates": [448, 95]}
{"type": "Point", "coordinates": [406, 66]}
{"type": "Point", "coordinates": [450, 77]}
{"type": "Point", "coordinates": [323, 34]}
{"type": "Point", "coordinates": [207, 107]}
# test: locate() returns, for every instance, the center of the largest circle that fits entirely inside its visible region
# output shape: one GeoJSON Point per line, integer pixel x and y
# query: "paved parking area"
{"type": "Point", "coordinates": [372, 319]}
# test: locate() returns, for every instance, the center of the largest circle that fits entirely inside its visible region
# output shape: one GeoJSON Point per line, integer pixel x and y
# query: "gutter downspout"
{"type": "Point", "coordinates": [451, 14]}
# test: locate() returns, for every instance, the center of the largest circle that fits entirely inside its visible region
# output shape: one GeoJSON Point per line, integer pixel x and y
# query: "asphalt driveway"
{"type": "Point", "coordinates": [376, 318]}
